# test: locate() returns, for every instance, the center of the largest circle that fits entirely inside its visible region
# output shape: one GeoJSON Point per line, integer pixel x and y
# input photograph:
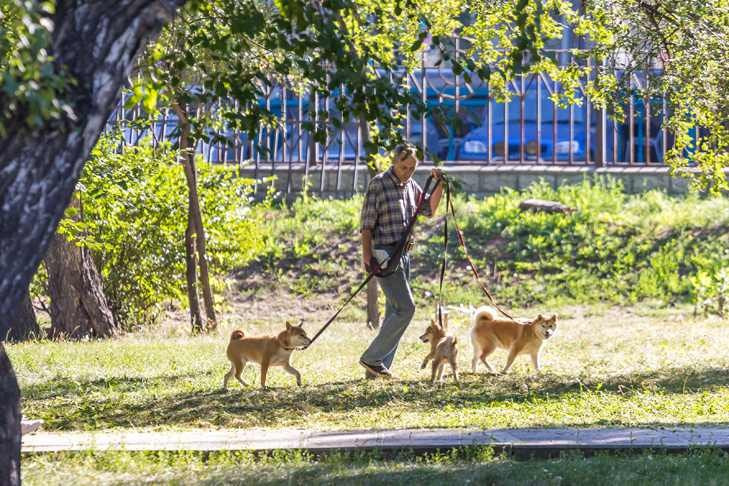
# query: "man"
{"type": "Point", "coordinates": [389, 205]}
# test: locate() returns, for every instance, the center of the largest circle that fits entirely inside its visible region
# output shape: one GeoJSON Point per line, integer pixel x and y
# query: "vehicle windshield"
{"type": "Point", "coordinates": [530, 109]}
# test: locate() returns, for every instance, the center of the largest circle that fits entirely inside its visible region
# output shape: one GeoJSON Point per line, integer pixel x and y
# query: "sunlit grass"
{"type": "Point", "coordinates": [605, 366]}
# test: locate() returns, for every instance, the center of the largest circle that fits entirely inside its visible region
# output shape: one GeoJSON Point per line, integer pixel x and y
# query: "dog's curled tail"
{"type": "Point", "coordinates": [483, 314]}
{"type": "Point", "coordinates": [237, 334]}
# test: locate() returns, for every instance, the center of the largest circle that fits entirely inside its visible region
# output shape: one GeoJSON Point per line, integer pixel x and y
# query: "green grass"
{"type": "Point", "coordinates": [609, 366]}
{"type": "Point", "coordinates": [613, 248]}
{"type": "Point", "coordinates": [478, 466]}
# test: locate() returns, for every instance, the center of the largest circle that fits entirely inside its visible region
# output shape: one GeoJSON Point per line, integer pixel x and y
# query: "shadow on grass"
{"type": "Point", "coordinates": [164, 401]}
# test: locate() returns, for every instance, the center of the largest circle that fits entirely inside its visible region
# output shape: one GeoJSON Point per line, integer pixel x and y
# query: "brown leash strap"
{"type": "Point", "coordinates": [462, 242]}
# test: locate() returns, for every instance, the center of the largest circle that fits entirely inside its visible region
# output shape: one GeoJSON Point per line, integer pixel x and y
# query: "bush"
{"type": "Point", "coordinates": [614, 247]}
{"type": "Point", "coordinates": [133, 217]}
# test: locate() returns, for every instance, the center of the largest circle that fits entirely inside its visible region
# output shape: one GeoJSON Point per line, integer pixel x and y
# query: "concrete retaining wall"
{"type": "Point", "coordinates": [475, 179]}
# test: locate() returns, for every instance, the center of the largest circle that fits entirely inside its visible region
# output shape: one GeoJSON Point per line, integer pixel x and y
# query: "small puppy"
{"type": "Point", "coordinates": [442, 349]}
{"type": "Point", "coordinates": [266, 351]}
{"type": "Point", "coordinates": [488, 333]}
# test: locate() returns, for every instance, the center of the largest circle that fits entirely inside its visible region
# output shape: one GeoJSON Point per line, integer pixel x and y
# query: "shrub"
{"type": "Point", "coordinates": [133, 217]}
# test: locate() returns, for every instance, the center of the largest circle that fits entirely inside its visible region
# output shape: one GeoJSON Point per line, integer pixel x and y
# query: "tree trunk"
{"type": "Point", "coordinates": [94, 43]}
{"type": "Point", "coordinates": [202, 256]}
{"type": "Point", "coordinates": [22, 322]}
{"type": "Point", "coordinates": [373, 309]}
{"type": "Point", "coordinates": [196, 320]}
{"type": "Point", "coordinates": [195, 234]}
{"type": "Point", "coordinates": [9, 422]}
{"type": "Point", "coordinates": [79, 308]}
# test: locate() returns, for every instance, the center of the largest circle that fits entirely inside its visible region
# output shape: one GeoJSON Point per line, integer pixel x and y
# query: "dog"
{"type": "Point", "coordinates": [442, 349]}
{"type": "Point", "coordinates": [267, 351]}
{"type": "Point", "coordinates": [489, 333]}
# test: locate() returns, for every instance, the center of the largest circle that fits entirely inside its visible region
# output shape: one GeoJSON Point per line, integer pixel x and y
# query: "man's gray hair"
{"type": "Point", "coordinates": [404, 151]}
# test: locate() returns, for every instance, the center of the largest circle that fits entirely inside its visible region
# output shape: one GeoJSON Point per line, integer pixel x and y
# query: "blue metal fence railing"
{"type": "Point", "coordinates": [465, 125]}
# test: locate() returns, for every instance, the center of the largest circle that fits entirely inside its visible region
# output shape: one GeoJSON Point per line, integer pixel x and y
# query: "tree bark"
{"type": "Point", "coordinates": [22, 322]}
{"type": "Point", "coordinates": [545, 206]}
{"type": "Point", "coordinates": [192, 235]}
{"type": "Point", "coordinates": [79, 308]}
{"type": "Point", "coordinates": [95, 44]}
{"type": "Point", "coordinates": [373, 308]}
{"type": "Point", "coordinates": [9, 422]}
{"type": "Point", "coordinates": [196, 320]}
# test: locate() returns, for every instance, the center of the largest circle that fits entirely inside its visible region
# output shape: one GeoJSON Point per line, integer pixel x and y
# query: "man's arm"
{"type": "Point", "coordinates": [435, 196]}
{"type": "Point", "coordinates": [366, 247]}
{"type": "Point", "coordinates": [435, 199]}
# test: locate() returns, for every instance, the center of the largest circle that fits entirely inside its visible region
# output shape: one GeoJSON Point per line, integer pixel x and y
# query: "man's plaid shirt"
{"type": "Point", "coordinates": [388, 207]}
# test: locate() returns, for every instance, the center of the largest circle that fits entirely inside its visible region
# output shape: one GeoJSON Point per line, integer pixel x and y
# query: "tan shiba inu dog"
{"type": "Point", "coordinates": [266, 351]}
{"type": "Point", "coordinates": [442, 350]}
{"type": "Point", "coordinates": [488, 333]}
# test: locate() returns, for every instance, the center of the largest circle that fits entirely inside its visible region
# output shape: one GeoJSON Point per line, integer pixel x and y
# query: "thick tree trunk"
{"type": "Point", "coordinates": [95, 43]}
{"type": "Point", "coordinates": [195, 228]}
{"type": "Point", "coordinates": [79, 308]}
{"type": "Point", "coordinates": [9, 422]}
{"type": "Point", "coordinates": [22, 322]}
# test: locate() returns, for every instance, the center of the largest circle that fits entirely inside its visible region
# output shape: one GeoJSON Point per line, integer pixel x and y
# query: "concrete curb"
{"type": "Point", "coordinates": [519, 442]}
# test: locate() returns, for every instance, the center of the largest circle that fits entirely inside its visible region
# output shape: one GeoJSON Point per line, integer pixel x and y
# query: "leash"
{"type": "Point", "coordinates": [444, 257]}
{"type": "Point", "coordinates": [462, 242]}
{"type": "Point", "coordinates": [392, 264]}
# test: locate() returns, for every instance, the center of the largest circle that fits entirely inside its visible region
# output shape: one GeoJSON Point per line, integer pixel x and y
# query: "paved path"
{"type": "Point", "coordinates": [517, 441]}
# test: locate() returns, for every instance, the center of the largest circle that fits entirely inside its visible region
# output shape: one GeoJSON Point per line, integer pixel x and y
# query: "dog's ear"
{"type": "Point", "coordinates": [539, 317]}
{"type": "Point", "coordinates": [288, 325]}
{"type": "Point", "coordinates": [553, 318]}
{"type": "Point", "coordinates": [445, 321]}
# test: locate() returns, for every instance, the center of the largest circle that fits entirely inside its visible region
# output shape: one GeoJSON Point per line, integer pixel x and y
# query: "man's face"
{"type": "Point", "coordinates": [404, 168]}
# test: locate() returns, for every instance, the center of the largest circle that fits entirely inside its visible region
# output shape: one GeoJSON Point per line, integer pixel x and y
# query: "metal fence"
{"type": "Point", "coordinates": [466, 125]}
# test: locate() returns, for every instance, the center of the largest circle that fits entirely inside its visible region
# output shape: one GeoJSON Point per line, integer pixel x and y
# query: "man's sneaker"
{"type": "Point", "coordinates": [377, 370]}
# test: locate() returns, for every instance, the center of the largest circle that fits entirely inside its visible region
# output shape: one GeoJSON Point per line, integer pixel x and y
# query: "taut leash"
{"type": "Point", "coordinates": [462, 242]}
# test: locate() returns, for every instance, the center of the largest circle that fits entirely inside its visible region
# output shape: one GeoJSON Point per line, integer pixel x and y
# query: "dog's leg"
{"type": "Point", "coordinates": [228, 376]}
{"type": "Point", "coordinates": [264, 371]}
{"type": "Point", "coordinates": [290, 369]}
{"type": "Point", "coordinates": [240, 367]}
{"type": "Point", "coordinates": [441, 366]}
{"type": "Point", "coordinates": [425, 361]}
{"type": "Point", "coordinates": [434, 370]}
{"type": "Point", "coordinates": [513, 353]}
{"type": "Point", "coordinates": [535, 360]}
{"type": "Point", "coordinates": [474, 361]}
{"type": "Point", "coordinates": [476, 352]}
{"type": "Point", "coordinates": [454, 367]}
{"type": "Point", "coordinates": [485, 352]}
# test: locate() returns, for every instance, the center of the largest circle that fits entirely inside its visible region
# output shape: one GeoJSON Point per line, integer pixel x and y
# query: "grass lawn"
{"type": "Point", "coordinates": [606, 366]}
{"type": "Point", "coordinates": [477, 466]}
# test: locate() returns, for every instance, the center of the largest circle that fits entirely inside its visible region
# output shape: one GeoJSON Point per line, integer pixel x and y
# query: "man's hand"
{"type": "Point", "coordinates": [436, 173]}
{"type": "Point", "coordinates": [366, 261]}
{"type": "Point", "coordinates": [372, 266]}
